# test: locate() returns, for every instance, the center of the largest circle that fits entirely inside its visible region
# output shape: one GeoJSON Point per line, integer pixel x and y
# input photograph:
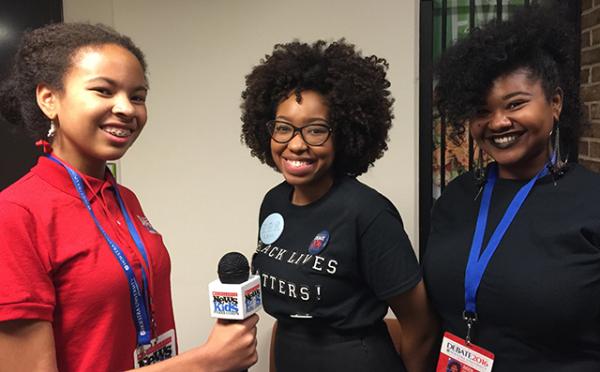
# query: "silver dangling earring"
{"type": "Point", "coordinates": [51, 131]}
{"type": "Point", "coordinates": [479, 173]}
{"type": "Point", "coordinates": [556, 166]}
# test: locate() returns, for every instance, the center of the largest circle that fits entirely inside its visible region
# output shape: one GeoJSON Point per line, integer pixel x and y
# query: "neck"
{"type": "Point", "coordinates": [525, 171]}
{"type": "Point", "coordinates": [93, 168]}
{"type": "Point", "coordinates": [307, 194]}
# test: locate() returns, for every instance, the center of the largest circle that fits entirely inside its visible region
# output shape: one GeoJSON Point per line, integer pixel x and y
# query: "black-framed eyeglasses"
{"type": "Point", "coordinates": [312, 134]}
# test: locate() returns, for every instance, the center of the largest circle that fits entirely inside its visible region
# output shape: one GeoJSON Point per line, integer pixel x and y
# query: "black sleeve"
{"type": "Point", "coordinates": [388, 261]}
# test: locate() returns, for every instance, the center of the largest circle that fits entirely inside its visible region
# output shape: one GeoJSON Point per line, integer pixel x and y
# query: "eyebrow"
{"type": "Point", "coordinates": [517, 93]}
{"type": "Point", "coordinates": [113, 82]}
{"type": "Point", "coordinates": [310, 120]}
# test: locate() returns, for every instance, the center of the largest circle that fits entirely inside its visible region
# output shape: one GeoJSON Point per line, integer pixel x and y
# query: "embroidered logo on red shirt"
{"type": "Point", "coordinates": [147, 224]}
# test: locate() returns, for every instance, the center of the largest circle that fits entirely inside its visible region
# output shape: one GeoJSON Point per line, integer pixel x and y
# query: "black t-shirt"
{"type": "Point", "coordinates": [539, 298]}
{"type": "Point", "coordinates": [363, 256]}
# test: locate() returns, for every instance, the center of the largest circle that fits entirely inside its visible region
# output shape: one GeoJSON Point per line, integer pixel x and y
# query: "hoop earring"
{"type": "Point", "coordinates": [51, 131]}
{"type": "Point", "coordinates": [556, 166]}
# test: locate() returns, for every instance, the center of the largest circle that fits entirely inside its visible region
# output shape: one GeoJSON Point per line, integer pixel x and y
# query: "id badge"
{"type": "Point", "coordinates": [161, 348]}
{"type": "Point", "coordinates": [457, 356]}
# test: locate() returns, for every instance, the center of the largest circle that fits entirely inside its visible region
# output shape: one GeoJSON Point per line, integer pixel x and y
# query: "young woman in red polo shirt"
{"type": "Point", "coordinates": [85, 276]}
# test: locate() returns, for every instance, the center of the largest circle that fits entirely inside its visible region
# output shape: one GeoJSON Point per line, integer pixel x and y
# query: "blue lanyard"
{"type": "Point", "coordinates": [139, 303]}
{"type": "Point", "coordinates": [478, 262]}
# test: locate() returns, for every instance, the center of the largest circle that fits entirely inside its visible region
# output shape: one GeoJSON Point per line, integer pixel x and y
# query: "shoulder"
{"type": "Point", "coordinates": [362, 200]}
{"type": "Point", "coordinates": [582, 178]}
{"type": "Point", "coordinates": [29, 192]}
{"type": "Point", "coordinates": [278, 194]}
{"type": "Point", "coordinates": [578, 190]}
{"type": "Point", "coordinates": [279, 190]}
{"type": "Point", "coordinates": [18, 219]}
{"type": "Point", "coordinates": [275, 199]}
{"type": "Point", "coordinates": [19, 188]}
{"type": "Point", "coordinates": [577, 184]}
{"type": "Point", "coordinates": [457, 202]}
{"type": "Point", "coordinates": [127, 194]}
{"type": "Point", "coordinates": [463, 187]}
{"type": "Point", "coordinates": [13, 212]}
{"type": "Point", "coordinates": [131, 201]}
{"type": "Point", "coordinates": [463, 184]}
{"type": "Point", "coordinates": [362, 194]}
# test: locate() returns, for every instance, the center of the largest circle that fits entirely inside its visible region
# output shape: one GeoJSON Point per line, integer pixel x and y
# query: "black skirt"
{"type": "Point", "coordinates": [304, 346]}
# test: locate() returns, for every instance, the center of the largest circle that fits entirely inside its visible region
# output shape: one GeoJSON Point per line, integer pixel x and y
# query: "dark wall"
{"type": "Point", "coordinates": [17, 151]}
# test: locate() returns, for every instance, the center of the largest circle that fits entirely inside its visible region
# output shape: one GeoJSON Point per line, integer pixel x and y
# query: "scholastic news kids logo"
{"type": "Point", "coordinates": [319, 242]}
{"type": "Point", "coordinates": [225, 303]}
{"type": "Point", "coordinates": [252, 298]}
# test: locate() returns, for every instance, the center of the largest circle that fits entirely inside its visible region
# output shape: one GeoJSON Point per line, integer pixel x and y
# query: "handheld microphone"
{"type": "Point", "coordinates": [235, 295]}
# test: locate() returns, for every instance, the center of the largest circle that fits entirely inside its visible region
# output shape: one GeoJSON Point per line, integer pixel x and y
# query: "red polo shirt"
{"type": "Point", "coordinates": [55, 265]}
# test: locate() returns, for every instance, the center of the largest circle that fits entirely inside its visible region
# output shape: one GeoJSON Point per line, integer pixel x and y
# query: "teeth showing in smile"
{"type": "Point", "coordinates": [504, 141]}
{"type": "Point", "coordinates": [117, 132]}
{"type": "Point", "coordinates": [297, 163]}
{"type": "Point", "coordinates": [507, 139]}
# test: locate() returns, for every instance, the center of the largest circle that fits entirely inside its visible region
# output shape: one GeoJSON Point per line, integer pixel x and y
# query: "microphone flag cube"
{"type": "Point", "coordinates": [235, 301]}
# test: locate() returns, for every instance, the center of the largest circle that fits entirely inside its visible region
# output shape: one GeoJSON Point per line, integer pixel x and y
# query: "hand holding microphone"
{"type": "Point", "coordinates": [233, 299]}
{"type": "Point", "coordinates": [236, 294]}
{"type": "Point", "coordinates": [231, 345]}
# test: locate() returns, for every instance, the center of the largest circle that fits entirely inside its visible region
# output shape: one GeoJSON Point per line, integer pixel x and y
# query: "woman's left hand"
{"type": "Point", "coordinates": [419, 328]}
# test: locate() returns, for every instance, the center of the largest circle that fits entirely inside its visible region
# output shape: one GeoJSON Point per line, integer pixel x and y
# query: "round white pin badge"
{"type": "Point", "coordinates": [271, 228]}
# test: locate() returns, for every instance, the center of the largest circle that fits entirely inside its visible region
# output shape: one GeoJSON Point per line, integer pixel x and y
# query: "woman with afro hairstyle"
{"type": "Point", "coordinates": [513, 258]}
{"type": "Point", "coordinates": [332, 252]}
{"type": "Point", "coordinates": [85, 277]}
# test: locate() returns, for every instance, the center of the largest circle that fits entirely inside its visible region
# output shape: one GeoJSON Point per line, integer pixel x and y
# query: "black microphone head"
{"type": "Point", "coordinates": [233, 268]}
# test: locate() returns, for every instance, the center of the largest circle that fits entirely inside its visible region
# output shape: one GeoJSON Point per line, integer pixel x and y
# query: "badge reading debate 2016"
{"type": "Point", "coordinates": [271, 228]}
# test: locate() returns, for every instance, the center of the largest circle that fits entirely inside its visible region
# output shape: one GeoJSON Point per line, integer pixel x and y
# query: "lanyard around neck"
{"type": "Point", "coordinates": [478, 260]}
{"type": "Point", "coordinates": [139, 299]}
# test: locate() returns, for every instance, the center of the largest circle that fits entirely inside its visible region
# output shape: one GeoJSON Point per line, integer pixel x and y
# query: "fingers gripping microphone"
{"type": "Point", "coordinates": [236, 294]}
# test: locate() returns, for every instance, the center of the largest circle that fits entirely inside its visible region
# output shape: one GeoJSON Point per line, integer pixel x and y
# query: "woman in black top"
{"type": "Point", "coordinates": [332, 252]}
{"type": "Point", "coordinates": [513, 84]}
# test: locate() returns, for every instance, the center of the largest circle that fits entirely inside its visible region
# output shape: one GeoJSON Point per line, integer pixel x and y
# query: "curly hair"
{"type": "Point", "coordinates": [45, 55]}
{"type": "Point", "coordinates": [355, 89]}
{"type": "Point", "coordinates": [536, 39]}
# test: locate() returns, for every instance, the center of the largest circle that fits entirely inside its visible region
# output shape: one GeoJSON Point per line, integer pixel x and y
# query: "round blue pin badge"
{"type": "Point", "coordinates": [271, 228]}
{"type": "Point", "coordinates": [319, 242]}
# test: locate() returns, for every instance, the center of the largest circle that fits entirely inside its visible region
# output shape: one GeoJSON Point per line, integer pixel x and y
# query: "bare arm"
{"type": "Point", "coordinates": [27, 345]}
{"type": "Point", "coordinates": [230, 347]}
{"type": "Point", "coordinates": [420, 330]}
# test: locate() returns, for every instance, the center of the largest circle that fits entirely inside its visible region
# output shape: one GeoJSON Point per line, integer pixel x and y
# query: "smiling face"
{"type": "Point", "coordinates": [515, 125]}
{"type": "Point", "coordinates": [101, 109]}
{"type": "Point", "coordinates": [307, 168]}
